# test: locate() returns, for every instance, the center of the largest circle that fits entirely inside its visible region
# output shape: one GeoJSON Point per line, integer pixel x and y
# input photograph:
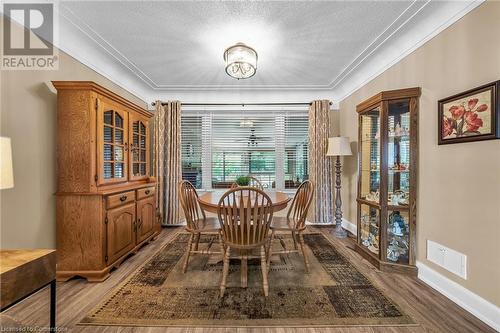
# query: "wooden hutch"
{"type": "Point", "coordinates": [387, 180]}
{"type": "Point", "coordinates": [106, 199]}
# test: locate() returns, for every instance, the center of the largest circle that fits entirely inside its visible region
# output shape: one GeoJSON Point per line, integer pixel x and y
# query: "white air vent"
{"type": "Point", "coordinates": [447, 258]}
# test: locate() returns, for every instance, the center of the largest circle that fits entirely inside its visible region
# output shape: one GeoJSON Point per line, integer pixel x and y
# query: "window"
{"type": "Point", "coordinates": [296, 150]}
{"type": "Point", "coordinates": [191, 143]}
{"type": "Point", "coordinates": [219, 146]}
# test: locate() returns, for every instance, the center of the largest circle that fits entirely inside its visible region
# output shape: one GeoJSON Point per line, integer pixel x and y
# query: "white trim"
{"type": "Point", "coordinates": [319, 224]}
{"type": "Point", "coordinates": [351, 227]}
{"type": "Point", "coordinates": [479, 307]}
{"type": "Point", "coordinates": [396, 53]}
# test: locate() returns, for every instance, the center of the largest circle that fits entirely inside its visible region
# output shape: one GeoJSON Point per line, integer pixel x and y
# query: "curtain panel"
{"type": "Point", "coordinates": [320, 165]}
{"type": "Point", "coordinates": [167, 130]}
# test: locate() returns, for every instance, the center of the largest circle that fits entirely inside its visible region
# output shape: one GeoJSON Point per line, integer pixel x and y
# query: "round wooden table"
{"type": "Point", "coordinates": [209, 201]}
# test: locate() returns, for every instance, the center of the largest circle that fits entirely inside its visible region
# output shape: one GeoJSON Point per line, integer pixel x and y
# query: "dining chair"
{"type": "Point", "coordinates": [254, 182]}
{"type": "Point", "coordinates": [197, 224]}
{"type": "Point", "coordinates": [294, 223]}
{"type": "Point", "coordinates": [245, 215]}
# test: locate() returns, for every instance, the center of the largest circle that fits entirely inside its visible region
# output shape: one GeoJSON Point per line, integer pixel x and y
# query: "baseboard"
{"type": "Point", "coordinates": [466, 299]}
{"type": "Point", "coordinates": [351, 227]}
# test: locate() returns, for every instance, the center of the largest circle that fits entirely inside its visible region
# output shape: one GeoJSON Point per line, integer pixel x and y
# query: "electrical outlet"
{"type": "Point", "coordinates": [447, 258]}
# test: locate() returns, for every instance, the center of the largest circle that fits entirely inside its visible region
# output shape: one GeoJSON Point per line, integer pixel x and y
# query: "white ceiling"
{"type": "Point", "coordinates": [317, 49]}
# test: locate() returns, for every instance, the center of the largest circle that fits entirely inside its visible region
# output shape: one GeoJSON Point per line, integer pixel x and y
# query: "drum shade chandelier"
{"type": "Point", "coordinates": [241, 61]}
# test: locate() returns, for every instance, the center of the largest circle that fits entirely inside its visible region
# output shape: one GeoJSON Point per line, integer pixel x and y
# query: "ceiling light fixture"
{"type": "Point", "coordinates": [241, 61]}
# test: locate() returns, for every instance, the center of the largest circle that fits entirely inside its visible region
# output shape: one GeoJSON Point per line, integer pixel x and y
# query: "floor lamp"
{"type": "Point", "coordinates": [338, 146]}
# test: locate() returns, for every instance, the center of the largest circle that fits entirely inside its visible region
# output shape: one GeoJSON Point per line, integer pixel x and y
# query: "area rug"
{"type": "Point", "coordinates": [334, 293]}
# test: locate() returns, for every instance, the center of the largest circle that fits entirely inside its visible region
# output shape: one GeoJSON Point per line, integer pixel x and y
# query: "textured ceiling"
{"type": "Point", "coordinates": [180, 44]}
{"type": "Point", "coordinates": [307, 50]}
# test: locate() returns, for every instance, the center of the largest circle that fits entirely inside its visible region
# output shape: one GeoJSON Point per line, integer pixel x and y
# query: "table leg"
{"type": "Point", "coordinates": [53, 306]}
{"type": "Point", "coordinates": [244, 271]}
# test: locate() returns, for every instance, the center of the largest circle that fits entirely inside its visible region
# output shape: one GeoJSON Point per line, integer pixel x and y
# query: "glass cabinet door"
{"type": "Point", "coordinates": [398, 153]}
{"type": "Point", "coordinates": [370, 228]}
{"type": "Point", "coordinates": [112, 144]}
{"type": "Point", "coordinates": [370, 155]}
{"type": "Point", "coordinates": [139, 149]}
{"type": "Point", "coordinates": [398, 236]}
{"type": "Point", "coordinates": [398, 181]}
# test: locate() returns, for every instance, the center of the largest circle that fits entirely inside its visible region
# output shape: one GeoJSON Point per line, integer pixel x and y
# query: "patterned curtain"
{"type": "Point", "coordinates": [167, 129]}
{"type": "Point", "coordinates": [320, 165]}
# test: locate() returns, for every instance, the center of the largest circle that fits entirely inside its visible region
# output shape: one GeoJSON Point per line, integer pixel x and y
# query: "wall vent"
{"type": "Point", "coordinates": [447, 258]}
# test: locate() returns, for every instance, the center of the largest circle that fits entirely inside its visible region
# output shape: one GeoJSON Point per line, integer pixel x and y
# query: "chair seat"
{"type": "Point", "coordinates": [282, 223]}
{"type": "Point", "coordinates": [209, 224]}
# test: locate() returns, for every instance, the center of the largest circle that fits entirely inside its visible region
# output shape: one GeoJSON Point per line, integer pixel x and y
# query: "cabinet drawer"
{"type": "Point", "coordinates": [145, 192]}
{"type": "Point", "coordinates": [120, 199]}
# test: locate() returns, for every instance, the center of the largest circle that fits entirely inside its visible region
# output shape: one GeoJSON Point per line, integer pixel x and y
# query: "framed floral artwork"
{"type": "Point", "coordinates": [470, 116]}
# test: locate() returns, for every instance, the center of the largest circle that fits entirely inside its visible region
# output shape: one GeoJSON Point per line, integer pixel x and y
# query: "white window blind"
{"type": "Point", "coordinates": [218, 146]}
{"type": "Point", "coordinates": [191, 149]}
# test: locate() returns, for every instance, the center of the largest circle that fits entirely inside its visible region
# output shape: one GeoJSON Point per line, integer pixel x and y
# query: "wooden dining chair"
{"type": "Point", "coordinates": [245, 215]}
{"type": "Point", "coordinates": [294, 222]}
{"type": "Point", "coordinates": [197, 224]}
{"type": "Point", "coordinates": [254, 182]}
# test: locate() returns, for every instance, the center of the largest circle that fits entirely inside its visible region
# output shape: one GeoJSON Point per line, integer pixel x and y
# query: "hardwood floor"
{"type": "Point", "coordinates": [75, 298]}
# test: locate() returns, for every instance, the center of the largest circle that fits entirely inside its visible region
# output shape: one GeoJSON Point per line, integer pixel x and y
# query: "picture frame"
{"type": "Point", "coordinates": [473, 115]}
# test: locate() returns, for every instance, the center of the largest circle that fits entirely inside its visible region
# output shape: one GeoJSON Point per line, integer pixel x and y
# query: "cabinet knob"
{"type": "Point", "coordinates": [123, 198]}
{"type": "Point", "coordinates": [147, 192]}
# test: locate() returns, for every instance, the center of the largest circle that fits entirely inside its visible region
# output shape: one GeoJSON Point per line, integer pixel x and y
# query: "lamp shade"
{"type": "Point", "coordinates": [338, 146]}
{"type": "Point", "coordinates": [6, 174]}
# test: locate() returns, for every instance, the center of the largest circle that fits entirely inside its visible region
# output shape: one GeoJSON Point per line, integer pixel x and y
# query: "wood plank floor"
{"type": "Point", "coordinates": [75, 299]}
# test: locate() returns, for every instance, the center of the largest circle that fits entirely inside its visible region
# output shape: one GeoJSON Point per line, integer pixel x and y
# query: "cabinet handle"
{"type": "Point", "coordinates": [147, 192]}
{"type": "Point", "coordinates": [126, 146]}
{"type": "Point", "coordinates": [139, 223]}
{"type": "Point", "coordinates": [123, 198]}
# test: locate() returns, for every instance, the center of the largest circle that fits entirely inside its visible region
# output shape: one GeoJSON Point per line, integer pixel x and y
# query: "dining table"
{"type": "Point", "coordinates": [209, 201]}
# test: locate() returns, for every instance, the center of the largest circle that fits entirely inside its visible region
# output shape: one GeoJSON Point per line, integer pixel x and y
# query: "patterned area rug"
{"type": "Point", "coordinates": [334, 293]}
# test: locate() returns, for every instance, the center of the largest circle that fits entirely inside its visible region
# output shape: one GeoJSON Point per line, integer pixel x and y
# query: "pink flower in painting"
{"type": "Point", "coordinates": [472, 103]}
{"type": "Point", "coordinates": [447, 126]}
{"type": "Point", "coordinates": [481, 108]}
{"type": "Point", "coordinates": [457, 111]}
{"type": "Point", "coordinates": [472, 121]}
{"type": "Point", "coordinates": [464, 118]}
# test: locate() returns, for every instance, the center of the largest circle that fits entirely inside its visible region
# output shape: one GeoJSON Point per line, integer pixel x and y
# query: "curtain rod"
{"type": "Point", "coordinates": [236, 104]}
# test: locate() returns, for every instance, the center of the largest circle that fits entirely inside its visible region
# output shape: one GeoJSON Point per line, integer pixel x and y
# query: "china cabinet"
{"type": "Point", "coordinates": [387, 179]}
{"type": "Point", "coordinates": [106, 199]}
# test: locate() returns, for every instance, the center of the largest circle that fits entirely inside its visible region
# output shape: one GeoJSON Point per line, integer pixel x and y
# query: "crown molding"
{"type": "Point", "coordinates": [438, 15]}
{"type": "Point", "coordinates": [421, 21]}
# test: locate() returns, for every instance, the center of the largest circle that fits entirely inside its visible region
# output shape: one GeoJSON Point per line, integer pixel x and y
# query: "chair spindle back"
{"type": "Point", "coordinates": [300, 204]}
{"type": "Point", "coordinates": [254, 182]}
{"type": "Point", "coordinates": [245, 215]}
{"type": "Point", "coordinates": [190, 205]}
